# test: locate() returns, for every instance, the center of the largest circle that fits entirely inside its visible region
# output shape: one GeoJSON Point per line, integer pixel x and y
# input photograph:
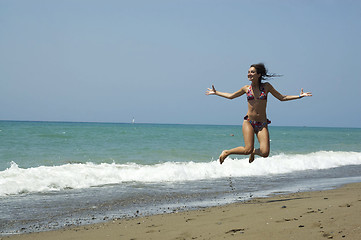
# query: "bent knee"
{"type": "Point", "coordinates": [264, 154]}
{"type": "Point", "coordinates": [248, 150]}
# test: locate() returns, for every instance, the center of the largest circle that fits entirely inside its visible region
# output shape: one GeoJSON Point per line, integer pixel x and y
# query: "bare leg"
{"type": "Point", "coordinates": [251, 157]}
{"type": "Point", "coordinates": [264, 145]}
{"type": "Point", "coordinates": [248, 135]}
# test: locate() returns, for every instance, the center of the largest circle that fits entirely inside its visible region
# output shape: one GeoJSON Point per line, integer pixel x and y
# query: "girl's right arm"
{"type": "Point", "coordinates": [239, 93]}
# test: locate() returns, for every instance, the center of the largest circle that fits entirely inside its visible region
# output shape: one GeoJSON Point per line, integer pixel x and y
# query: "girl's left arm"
{"type": "Point", "coordinates": [281, 97]}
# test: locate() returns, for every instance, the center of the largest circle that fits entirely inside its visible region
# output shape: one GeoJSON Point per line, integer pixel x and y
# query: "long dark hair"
{"type": "Point", "coordinates": [261, 69]}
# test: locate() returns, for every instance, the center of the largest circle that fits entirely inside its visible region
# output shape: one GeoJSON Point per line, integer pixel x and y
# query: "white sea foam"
{"type": "Point", "coordinates": [15, 180]}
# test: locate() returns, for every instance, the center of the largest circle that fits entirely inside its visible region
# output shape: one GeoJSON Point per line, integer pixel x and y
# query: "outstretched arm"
{"type": "Point", "coordinates": [213, 91]}
{"type": "Point", "coordinates": [281, 97]}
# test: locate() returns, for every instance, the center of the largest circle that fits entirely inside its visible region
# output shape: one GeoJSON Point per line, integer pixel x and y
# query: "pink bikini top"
{"type": "Point", "coordinates": [250, 96]}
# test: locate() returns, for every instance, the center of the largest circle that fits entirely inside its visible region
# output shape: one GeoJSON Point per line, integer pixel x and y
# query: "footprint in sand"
{"type": "Point", "coordinates": [236, 230]}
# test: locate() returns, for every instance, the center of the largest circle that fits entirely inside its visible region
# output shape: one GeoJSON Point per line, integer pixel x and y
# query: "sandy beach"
{"type": "Point", "coordinates": [331, 214]}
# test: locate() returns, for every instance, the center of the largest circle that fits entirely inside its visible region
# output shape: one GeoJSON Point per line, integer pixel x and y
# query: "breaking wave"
{"type": "Point", "coordinates": [16, 180]}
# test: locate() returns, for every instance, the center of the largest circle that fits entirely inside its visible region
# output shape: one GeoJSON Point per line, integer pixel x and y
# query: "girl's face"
{"type": "Point", "coordinates": [253, 75]}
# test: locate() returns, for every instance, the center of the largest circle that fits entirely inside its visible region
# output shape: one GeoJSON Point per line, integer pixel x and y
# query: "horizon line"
{"type": "Point", "coordinates": [130, 122]}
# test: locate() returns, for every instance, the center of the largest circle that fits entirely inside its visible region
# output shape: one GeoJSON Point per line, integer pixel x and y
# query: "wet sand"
{"type": "Point", "coordinates": [331, 214]}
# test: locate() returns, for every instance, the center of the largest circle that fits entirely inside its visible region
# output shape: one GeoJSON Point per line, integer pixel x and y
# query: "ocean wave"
{"type": "Point", "coordinates": [16, 180]}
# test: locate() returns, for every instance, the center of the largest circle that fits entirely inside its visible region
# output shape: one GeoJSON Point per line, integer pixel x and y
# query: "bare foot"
{"type": "Point", "coordinates": [251, 158]}
{"type": "Point", "coordinates": [223, 156]}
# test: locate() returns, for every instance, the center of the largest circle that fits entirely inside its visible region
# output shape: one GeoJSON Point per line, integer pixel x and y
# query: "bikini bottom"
{"type": "Point", "coordinates": [257, 126]}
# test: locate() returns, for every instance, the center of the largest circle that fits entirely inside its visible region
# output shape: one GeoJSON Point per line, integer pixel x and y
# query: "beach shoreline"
{"type": "Point", "coordinates": [329, 214]}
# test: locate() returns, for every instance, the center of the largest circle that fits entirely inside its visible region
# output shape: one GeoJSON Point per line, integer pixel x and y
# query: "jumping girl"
{"type": "Point", "coordinates": [255, 122]}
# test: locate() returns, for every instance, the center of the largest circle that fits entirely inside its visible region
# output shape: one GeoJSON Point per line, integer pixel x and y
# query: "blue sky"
{"type": "Point", "coordinates": [107, 61]}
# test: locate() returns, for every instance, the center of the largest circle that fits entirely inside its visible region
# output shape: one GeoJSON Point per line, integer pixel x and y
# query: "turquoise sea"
{"type": "Point", "coordinates": [55, 174]}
